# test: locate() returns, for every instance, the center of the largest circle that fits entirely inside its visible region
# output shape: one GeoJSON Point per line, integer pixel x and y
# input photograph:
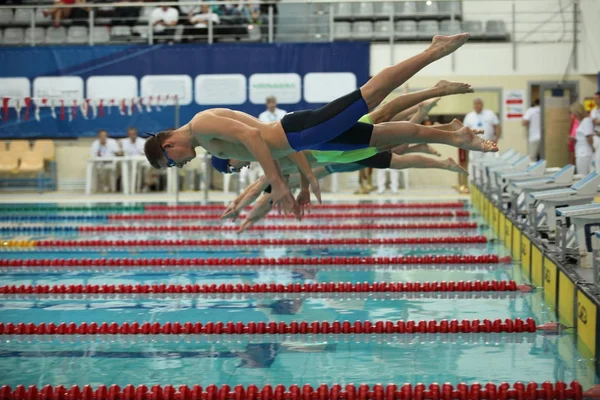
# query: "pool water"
{"type": "Point", "coordinates": [274, 359]}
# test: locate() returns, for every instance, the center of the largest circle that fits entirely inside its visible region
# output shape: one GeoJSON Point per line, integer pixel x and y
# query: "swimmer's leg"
{"type": "Point", "coordinates": [416, 161]}
{"type": "Point", "coordinates": [396, 133]}
{"type": "Point", "coordinates": [396, 109]}
{"type": "Point", "coordinates": [383, 83]}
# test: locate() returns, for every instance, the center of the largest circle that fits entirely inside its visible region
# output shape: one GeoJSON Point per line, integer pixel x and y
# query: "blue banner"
{"type": "Point", "coordinates": [237, 76]}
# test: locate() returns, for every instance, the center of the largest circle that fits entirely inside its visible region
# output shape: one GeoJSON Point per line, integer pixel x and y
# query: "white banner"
{"type": "Point", "coordinates": [67, 88]}
{"type": "Point", "coordinates": [220, 89]}
{"type": "Point", "coordinates": [323, 87]}
{"type": "Point", "coordinates": [514, 104]}
{"type": "Point", "coordinates": [14, 88]}
{"type": "Point", "coordinates": [175, 85]}
{"type": "Point", "coordinates": [111, 87]}
{"type": "Point", "coordinates": [285, 87]}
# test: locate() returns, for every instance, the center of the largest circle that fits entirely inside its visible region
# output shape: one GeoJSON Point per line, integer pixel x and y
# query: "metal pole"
{"type": "Point", "coordinates": [210, 27]}
{"type": "Point", "coordinates": [150, 32]}
{"type": "Point", "coordinates": [453, 56]}
{"type": "Point", "coordinates": [331, 24]}
{"type": "Point", "coordinates": [33, 27]}
{"type": "Point", "coordinates": [514, 37]}
{"type": "Point", "coordinates": [270, 23]}
{"type": "Point", "coordinates": [91, 30]}
{"type": "Point", "coordinates": [575, 15]}
{"type": "Point", "coordinates": [392, 33]}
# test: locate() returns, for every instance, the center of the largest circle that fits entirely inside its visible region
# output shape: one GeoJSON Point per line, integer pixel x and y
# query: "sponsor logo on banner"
{"type": "Point", "coordinates": [285, 87]}
{"type": "Point", "coordinates": [66, 88]}
{"type": "Point", "coordinates": [220, 89]}
{"type": "Point", "coordinates": [179, 86]}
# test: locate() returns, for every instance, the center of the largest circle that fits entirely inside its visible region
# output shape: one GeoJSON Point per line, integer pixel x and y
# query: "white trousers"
{"type": "Point", "coordinates": [583, 164]}
{"type": "Point", "coordinates": [394, 180]}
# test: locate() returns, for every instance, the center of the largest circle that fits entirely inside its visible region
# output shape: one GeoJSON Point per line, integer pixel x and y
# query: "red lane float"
{"type": "Point", "coordinates": [273, 328]}
{"type": "Point", "coordinates": [328, 287]}
{"type": "Point", "coordinates": [365, 215]}
{"type": "Point", "coordinates": [263, 242]}
{"type": "Point", "coordinates": [254, 261]}
{"type": "Point", "coordinates": [446, 391]}
{"type": "Point", "coordinates": [270, 228]}
{"type": "Point", "coordinates": [362, 206]}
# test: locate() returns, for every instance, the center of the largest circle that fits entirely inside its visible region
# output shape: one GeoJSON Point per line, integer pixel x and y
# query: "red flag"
{"type": "Point", "coordinates": [27, 105]}
{"type": "Point", "coordinates": [123, 107]}
{"type": "Point", "coordinates": [101, 108]}
{"type": "Point", "coordinates": [5, 101]}
{"type": "Point", "coordinates": [62, 110]}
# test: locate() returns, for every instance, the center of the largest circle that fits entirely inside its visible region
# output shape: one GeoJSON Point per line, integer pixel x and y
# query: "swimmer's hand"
{"type": "Point", "coordinates": [283, 197]}
{"type": "Point", "coordinates": [303, 200]}
{"type": "Point", "coordinates": [231, 211]}
{"type": "Point", "coordinates": [262, 208]}
{"type": "Point", "coordinates": [315, 188]}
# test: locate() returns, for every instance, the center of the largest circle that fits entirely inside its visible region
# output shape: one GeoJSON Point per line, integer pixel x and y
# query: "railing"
{"type": "Point", "coordinates": [533, 21]}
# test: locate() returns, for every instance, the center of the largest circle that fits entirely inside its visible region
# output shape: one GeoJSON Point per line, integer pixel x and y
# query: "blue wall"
{"type": "Point", "coordinates": [192, 60]}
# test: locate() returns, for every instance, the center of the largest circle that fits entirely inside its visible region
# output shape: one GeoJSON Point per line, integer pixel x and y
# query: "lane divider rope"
{"type": "Point", "coordinates": [246, 242]}
{"type": "Point", "coordinates": [230, 228]}
{"type": "Point", "coordinates": [462, 391]}
{"type": "Point", "coordinates": [254, 261]}
{"type": "Point", "coordinates": [342, 206]}
{"type": "Point", "coordinates": [326, 287]}
{"type": "Point", "coordinates": [516, 325]}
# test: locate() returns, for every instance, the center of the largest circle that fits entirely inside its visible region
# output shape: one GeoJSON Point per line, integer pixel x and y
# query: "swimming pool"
{"type": "Point", "coordinates": [50, 232]}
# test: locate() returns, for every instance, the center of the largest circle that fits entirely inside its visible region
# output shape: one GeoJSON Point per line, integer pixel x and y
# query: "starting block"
{"type": "Point", "coordinates": [542, 211]}
{"type": "Point", "coordinates": [575, 230]}
{"type": "Point", "coordinates": [489, 159]}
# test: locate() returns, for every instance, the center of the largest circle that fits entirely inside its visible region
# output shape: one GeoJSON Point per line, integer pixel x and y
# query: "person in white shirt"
{"type": "Point", "coordinates": [484, 119]}
{"type": "Point", "coordinates": [584, 139]}
{"type": "Point", "coordinates": [133, 145]}
{"type": "Point", "coordinates": [272, 113]}
{"type": "Point", "coordinates": [101, 148]}
{"type": "Point", "coordinates": [163, 20]}
{"type": "Point", "coordinates": [595, 116]}
{"type": "Point", "coordinates": [533, 121]}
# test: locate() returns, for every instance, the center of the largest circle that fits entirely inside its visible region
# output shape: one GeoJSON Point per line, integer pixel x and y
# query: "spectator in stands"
{"type": "Point", "coordinates": [59, 13]}
{"type": "Point", "coordinates": [200, 20]}
{"type": "Point", "coordinates": [105, 147]}
{"type": "Point", "coordinates": [126, 15]}
{"type": "Point", "coordinates": [584, 139]}
{"type": "Point", "coordinates": [163, 20]}
{"type": "Point", "coordinates": [533, 121]}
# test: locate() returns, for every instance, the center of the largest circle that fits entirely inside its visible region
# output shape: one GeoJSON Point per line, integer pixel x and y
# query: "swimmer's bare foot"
{"type": "Point", "coordinates": [427, 105]}
{"type": "Point", "coordinates": [450, 88]}
{"type": "Point", "coordinates": [467, 139]}
{"type": "Point", "coordinates": [451, 165]}
{"type": "Point", "coordinates": [456, 124]}
{"type": "Point", "coordinates": [441, 46]}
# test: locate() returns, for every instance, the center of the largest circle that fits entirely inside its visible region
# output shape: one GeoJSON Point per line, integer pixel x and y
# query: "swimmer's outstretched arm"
{"type": "Point", "coordinates": [228, 129]}
{"type": "Point", "coordinates": [311, 182]}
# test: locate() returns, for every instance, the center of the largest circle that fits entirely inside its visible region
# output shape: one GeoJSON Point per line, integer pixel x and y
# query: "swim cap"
{"type": "Point", "coordinates": [220, 165]}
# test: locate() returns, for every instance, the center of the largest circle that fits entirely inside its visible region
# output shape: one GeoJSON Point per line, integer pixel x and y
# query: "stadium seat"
{"type": "Point", "coordinates": [428, 29]}
{"type": "Point", "coordinates": [56, 35]}
{"type": "Point", "coordinates": [19, 147]}
{"type": "Point", "coordinates": [31, 162]}
{"type": "Point", "coordinates": [13, 36]}
{"type": "Point", "coordinates": [406, 8]}
{"type": "Point", "coordinates": [36, 35]}
{"type": "Point", "coordinates": [101, 34]}
{"type": "Point", "coordinates": [495, 29]}
{"type": "Point", "coordinates": [145, 14]}
{"type": "Point", "coordinates": [364, 9]}
{"type": "Point", "coordinates": [362, 30]}
{"type": "Point", "coordinates": [6, 16]}
{"type": "Point", "coordinates": [41, 19]}
{"type": "Point", "coordinates": [427, 9]}
{"type": "Point", "coordinates": [450, 8]}
{"type": "Point", "coordinates": [9, 162]}
{"type": "Point", "coordinates": [450, 27]}
{"type": "Point", "coordinates": [406, 30]}
{"type": "Point", "coordinates": [343, 10]}
{"type": "Point", "coordinates": [254, 33]}
{"type": "Point", "coordinates": [475, 28]}
{"type": "Point", "coordinates": [384, 9]}
{"type": "Point", "coordinates": [141, 30]}
{"type": "Point", "coordinates": [23, 16]}
{"type": "Point", "coordinates": [119, 32]}
{"type": "Point", "coordinates": [46, 148]}
{"type": "Point", "coordinates": [342, 30]}
{"type": "Point", "coordinates": [382, 29]}
{"type": "Point", "coordinates": [77, 34]}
